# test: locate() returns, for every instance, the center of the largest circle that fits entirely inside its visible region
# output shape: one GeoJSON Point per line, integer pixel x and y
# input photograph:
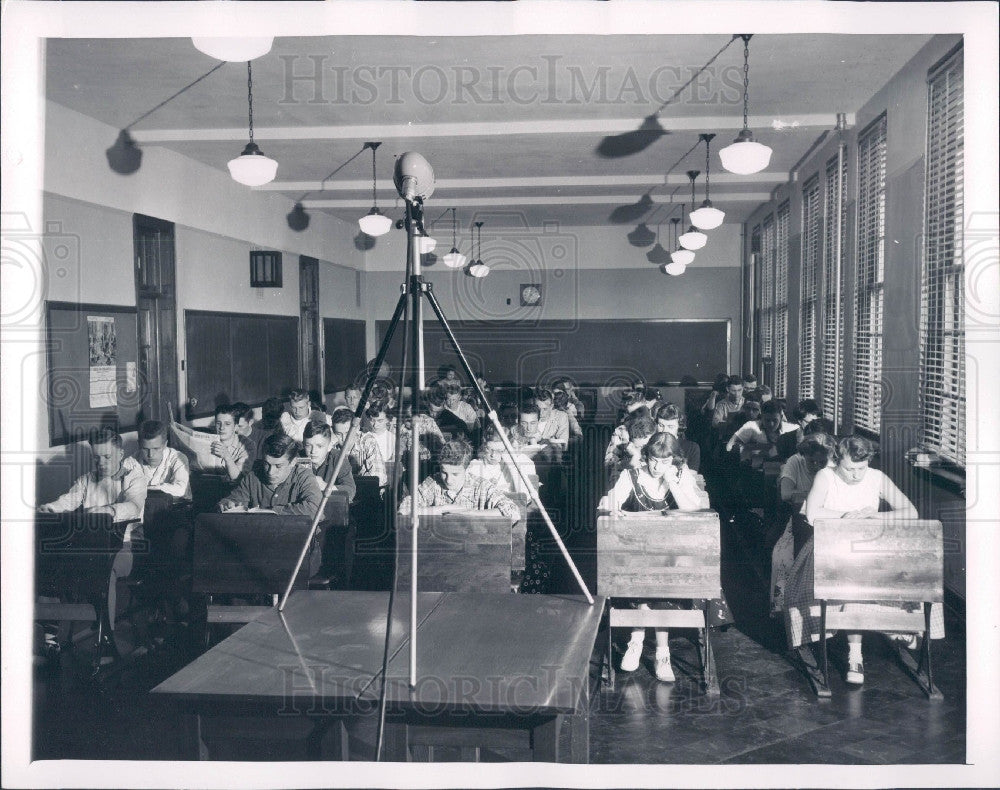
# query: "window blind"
{"type": "Point", "coordinates": [869, 276]}
{"type": "Point", "coordinates": [831, 388]}
{"type": "Point", "coordinates": [781, 301]}
{"type": "Point", "coordinates": [767, 287]}
{"type": "Point", "coordinates": [942, 314]}
{"type": "Point", "coordinates": [808, 287]}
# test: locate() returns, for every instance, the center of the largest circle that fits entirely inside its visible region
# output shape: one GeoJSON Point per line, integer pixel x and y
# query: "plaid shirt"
{"type": "Point", "coordinates": [431, 493]}
{"type": "Point", "coordinates": [366, 458]}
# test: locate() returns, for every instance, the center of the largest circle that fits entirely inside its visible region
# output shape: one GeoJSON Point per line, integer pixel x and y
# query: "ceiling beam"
{"type": "Point", "coordinates": [540, 182]}
{"type": "Point", "coordinates": [550, 200]}
{"type": "Point", "coordinates": [595, 126]}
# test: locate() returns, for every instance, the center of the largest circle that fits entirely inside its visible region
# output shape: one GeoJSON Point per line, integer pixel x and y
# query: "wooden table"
{"type": "Point", "coordinates": [494, 670]}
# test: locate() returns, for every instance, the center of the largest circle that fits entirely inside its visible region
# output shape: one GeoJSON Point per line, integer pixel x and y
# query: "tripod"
{"type": "Point", "coordinates": [409, 311]}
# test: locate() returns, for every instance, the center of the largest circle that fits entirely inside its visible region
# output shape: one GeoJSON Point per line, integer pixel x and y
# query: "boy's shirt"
{"type": "Point", "coordinates": [465, 412]}
{"type": "Point", "coordinates": [366, 458]}
{"type": "Point", "coordinates": [345, 480]}
{"type": "Point", "coordinates": [431, 493]}
{"type": "Point", "coordinates": [294, 427]}
{"type": "Point", "coordinates": [504, 474]}
{"type": "Point", "coordinates": [124, 492]}
{"type": "Point", "coordinates": [171, 475]}
{"type": "Point", "coordinates": [297, 495]}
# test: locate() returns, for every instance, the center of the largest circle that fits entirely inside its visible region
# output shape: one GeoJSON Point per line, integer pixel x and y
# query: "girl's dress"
{"type": "Point", "coordinates": [801, 609]}
{"type": "Point", "coordinates": [640, 500]}
{"type": "Point", "coordinates": [795, 469]}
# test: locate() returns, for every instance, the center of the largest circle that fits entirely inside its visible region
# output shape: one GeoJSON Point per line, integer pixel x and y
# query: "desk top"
{"type": "Point", "coordinates": [484, 652]}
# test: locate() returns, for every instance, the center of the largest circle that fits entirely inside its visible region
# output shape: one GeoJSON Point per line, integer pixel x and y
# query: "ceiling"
{"type": "Point", "coordinates": [513, 124]}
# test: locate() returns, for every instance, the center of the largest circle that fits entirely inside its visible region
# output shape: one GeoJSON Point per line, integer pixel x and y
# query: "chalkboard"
{"type": "Point", "coordinates": [343, 352]}
{"type": "Point", "coordinates": [91, 381]}
{"type": "Point", "coordinates": [595, 352]}
{"type": "Point", "coordinates": [238, 357]}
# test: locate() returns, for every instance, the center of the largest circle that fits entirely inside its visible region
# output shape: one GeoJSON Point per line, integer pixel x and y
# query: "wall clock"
{"type": "Point", "coordinates": [531, 294]}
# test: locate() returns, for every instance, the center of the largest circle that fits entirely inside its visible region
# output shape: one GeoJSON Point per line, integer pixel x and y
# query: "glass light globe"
{"type": "Point", "coordinates": [707, 217]}
{"type": "Point", "coordinates": [674, 269]}
{"type": "Point", "coordinates": [479, 269]}
{"type": "Point", "coordinates": [426, 244]}
{"type": "Point", "coordinates": [454, 259]}
{"type": "Point", "coordinates": [694, 239]}
{"type": "Point", "coordinates": [375, 223]}
{"type": "Point", "coordinates": [745, 155]}
{"type": "Point", "coordinates": [232, 49]}
{"type": "Point", "coordinates": [681, 257]}
{"type": "Point", "coordinates": [252, 168]}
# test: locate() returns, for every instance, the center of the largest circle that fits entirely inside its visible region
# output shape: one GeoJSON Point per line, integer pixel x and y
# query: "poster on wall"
{"type": "Point", "coordinates": [103, 342]}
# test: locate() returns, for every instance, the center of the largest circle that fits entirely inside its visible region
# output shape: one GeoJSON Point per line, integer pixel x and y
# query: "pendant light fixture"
{"type": "Point", "coordinates": [478, 268]}
{"type": "Point", "coordinates": [707, 216]}
{"type": "Point", "coordinates": [680, 256]}
{"type": "Point", "coordinates": [745, 155]}
{"type": "Point", "coordinates": [375, 223]}
{"type": "Point", "coordinates": [251, 167]}
{"type": "Point", "coordinates": [234, 50]}
{"type": "Point", "coordinates": [693, 239]}
{"type": "Point", "coordinates": [658, 254]}
{"type": "Point", "coordinates": [454, 259]}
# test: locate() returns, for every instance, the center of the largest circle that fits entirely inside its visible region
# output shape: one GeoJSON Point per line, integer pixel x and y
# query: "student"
{"type": "Point", "coordinates": [851, 489]}
{"type": "Point", "coordinates": [757, 438]}
{"type": "Point", "coordinates": [251, 430]}
{"type": "Point", "coordinates": [733, 401]}
{"type": "Point", "coordinates": [454, 486]}
{"type": "Point", "coordinates": [270, 416]}
{"type": "Point", "coordinates": [749, 383]}
{"type": "Point", "coordinates": [375, 423]}
{"type": "Point", "coordinates": [116, 486]}
{"type": "Point", "coordinates": [336, 551]}
{"type": "Point", "coordinates": [494, 464]}
{"type": "Point", "coordinates": [366, 460]}
{"type": "Point", "coordinates": [651, 398]}
{"type": "Point", "coordinates": [277, 484]}
{"type": "Point", "coordinates": [663, 482]}
{"type": "Point", "coordinates": [575, 407]}
{"type": "Point", "coordinates": [526, 434]}
{"type": "Point", "coordinates": [805, 412]}
{"type": "Point", "coordinates": [670, 420]}
{"type": "Point", "coordinates": [231, 450]}
{"type": "Point", "coordinates": [453, 402]}
{"type": "Point", "coordinates": [553, 425]}
{"type": "Point", "coordinates": [629, 455]}
{"type": "Point", "coordinates": [620, 435]}
{"type": "Point", "coordinates": [164, 468]}
{"type": "Point", "coordinates": [317, 443]}
{"type": "Point", "coordinates": [815, 452]}
{"type": "Point", "coordinates": [299, 413]}
{"type": "Point", "coordinates": [352, 397]}
{"type": "Point", "coordinates": [560, 402]}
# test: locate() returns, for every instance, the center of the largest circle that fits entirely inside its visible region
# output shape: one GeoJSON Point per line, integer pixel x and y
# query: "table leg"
{"type": "Point", "coordinates": [545, 741]}
{"type": "Point", "coordinates": [190, 732]}
{"type": "Point", "coordinates": [395, 746]}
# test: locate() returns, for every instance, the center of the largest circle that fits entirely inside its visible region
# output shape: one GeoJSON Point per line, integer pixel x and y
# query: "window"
{"type": "Point", "coordinates": [869, 277]}
{"type": "Point", "coordinates": [781, 301]}
{"type": "Point", "coordinates": [942, 314]}
{"type": "Point", "coordinates": [808, 287]}
{"type": "Point", "coordinates": [833, 287]}
{"type": "Point", "coordinates": [767, 288]}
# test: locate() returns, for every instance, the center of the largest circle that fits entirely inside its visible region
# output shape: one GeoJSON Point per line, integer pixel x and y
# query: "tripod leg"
{"type": "Point", "coordinates": [344, 450]}
{"type": "Point", "coordinates": [502, 434]}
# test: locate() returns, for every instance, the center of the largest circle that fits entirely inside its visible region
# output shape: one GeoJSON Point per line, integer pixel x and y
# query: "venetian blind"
{"type": "Point", "coordinates": [781, 301]}
{"type": "Point", "coordinates": [942, 315]}
{"type": "Point", "coordinates": [831, 389]}
{"type": "Point", "coordinates": [869, 276]}
{"type": "Point", "coordinates": [808, 287]}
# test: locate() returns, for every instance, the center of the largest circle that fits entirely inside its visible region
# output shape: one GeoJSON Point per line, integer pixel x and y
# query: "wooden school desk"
{"type": "Point", "coordinates": [652, 555]}
{"type": "Point", "coordinates": [494, 670]}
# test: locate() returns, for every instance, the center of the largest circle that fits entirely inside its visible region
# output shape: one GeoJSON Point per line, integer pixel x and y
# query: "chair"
{"type": "Point", "coordinates": [673, 556]}
{"type": "Point", "coordinates": [884, 562]}
{"type": "Point", "coordinates": [244, 554]}
{"type": "Point", "coordinates": [74, 555]}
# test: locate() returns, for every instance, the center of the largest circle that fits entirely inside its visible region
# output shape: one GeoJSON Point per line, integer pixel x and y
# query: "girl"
{"type": "Point", "coordinates": [662, 483]}
{"type": "Point", "coordinates": [851, 489]}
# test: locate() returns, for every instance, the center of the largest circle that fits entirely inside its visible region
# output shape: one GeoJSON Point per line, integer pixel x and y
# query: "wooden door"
{"type": "Point", "coordinates": [156, 306]}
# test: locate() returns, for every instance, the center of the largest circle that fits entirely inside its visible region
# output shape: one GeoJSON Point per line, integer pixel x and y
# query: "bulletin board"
{"type": "Point", "coordinates": [92, 376]}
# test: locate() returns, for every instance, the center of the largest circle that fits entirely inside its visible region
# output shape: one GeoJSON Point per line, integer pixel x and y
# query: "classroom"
{"type": "Point", "coordinates": [680, 478]}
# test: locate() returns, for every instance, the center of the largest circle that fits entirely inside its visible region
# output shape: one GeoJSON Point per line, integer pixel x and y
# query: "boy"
{"type": "Point", "coordinates": [228, 453]}
{"type": "Point", "coordinates": [164, 468]}
{"type": "Point", "coordinates": [299, 413]}
{"type": "Point", "coordinates": [248, 427]}
{"type": "Point", "coordinates": [553, 425]}
{"type": "Point", "coordinates": [733, 401]}
{"type": "Point", "coordinates": [277, 484]}
{"type": "Point", "coordinates": [453, 485]}
{"type": "Point", "coordinates": [495, 465]}
{"type": "Point", "coordinates": [317, 441]}
{"type": "Point", "coordinates": [366, 459]}
{"type": "Point", "coordinates": [454, 403]}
